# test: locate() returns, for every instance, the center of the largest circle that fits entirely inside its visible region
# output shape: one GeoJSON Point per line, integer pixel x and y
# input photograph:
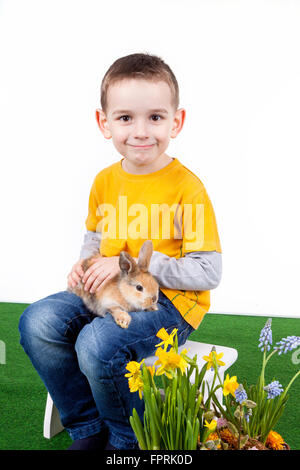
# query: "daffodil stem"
{"type": "Point", "coordinates": [212, 388]}
{"type": "Point", "coordinates": [226, 397]}
{"type": "Point", "coordinates": [221, 383]}
{"type": "Point", "coordinates": [229, 409]}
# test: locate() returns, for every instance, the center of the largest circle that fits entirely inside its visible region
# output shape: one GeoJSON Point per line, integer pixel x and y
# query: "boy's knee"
{"type": "Point", "coordinates": [38, 320]}
{"type": "Point", "coordinates": [29, 320]}
{"type": "Point", "coordinates": [96, 348]}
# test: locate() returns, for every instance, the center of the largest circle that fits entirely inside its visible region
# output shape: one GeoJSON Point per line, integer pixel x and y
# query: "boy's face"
{"type": "Point", "coordinates": [140, 119]}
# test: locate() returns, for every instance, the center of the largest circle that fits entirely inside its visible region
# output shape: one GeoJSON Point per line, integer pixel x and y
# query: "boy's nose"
{"type": "Point", "coordinates": [140, 130]}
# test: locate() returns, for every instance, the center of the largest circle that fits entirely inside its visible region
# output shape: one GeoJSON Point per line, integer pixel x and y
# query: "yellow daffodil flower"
{"type": "Point", "coordinates": [169, 361]}
{"type": "Point", "coordinates": [167, 339]}
{"type": "Point", "coordinates": [213, 356]}
{"type": "Point", "coordinates": [136, 384]}
{"type": "Point", "coordinates": [212, 426]}
{"type": "Point", "coordinates": [134, 368]}
{"type": "Point", "coordinates": [230, 385]}
{"type": "Point", "coordinates": [134, 377]}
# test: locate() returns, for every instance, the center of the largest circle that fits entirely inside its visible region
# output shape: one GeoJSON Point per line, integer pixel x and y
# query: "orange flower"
{"type": "Point", "coordinates": [274, 441]}
{"type": "Point", "coordinates": [213, 436]}
{"type": "Point", "coordinates": [228, 437]}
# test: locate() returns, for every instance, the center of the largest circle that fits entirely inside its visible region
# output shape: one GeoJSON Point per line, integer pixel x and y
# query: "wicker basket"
{"type": "Point", "coordinates": [260, 446]}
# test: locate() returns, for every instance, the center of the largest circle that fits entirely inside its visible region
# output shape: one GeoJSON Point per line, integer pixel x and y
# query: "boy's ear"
{"type": "Point", "coordinates": [102, 123]}
{"type": "Point", "coordinates": [178, 122]}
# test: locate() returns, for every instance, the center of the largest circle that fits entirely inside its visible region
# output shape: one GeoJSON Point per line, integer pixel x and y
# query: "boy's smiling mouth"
{"type": "Point", "coordinates": [142, 146]}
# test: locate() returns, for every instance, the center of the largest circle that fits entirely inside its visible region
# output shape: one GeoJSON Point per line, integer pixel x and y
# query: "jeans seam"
{"type": "Point", "coordinates": [87, 430]}
{"type": "Point", "coordinates": [69, 322]}
{"type": "Point", "coordinates": [116, 440]}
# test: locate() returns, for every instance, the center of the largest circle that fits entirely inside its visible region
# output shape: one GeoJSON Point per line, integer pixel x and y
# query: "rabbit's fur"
{"type": "Point", "coordinates": [133, 289]}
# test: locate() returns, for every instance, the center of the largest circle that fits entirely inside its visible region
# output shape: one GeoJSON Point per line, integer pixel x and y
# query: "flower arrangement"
{"type": "Point", "coordinates": [165, 419]}
{"type": "Point", "coordinates": [255, 410]}
{"type": "Point", "coordinates": [178, 417]}
{"type": "Point", "coordinates": [174, 419]}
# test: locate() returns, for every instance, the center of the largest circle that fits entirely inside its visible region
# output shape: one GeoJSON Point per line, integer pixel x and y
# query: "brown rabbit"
{"type": "Point", "coordinates": [134, 288]}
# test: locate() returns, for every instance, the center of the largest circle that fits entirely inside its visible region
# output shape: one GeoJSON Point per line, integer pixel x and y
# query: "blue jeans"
{"type": "Point", "coordinates": [81, 359]}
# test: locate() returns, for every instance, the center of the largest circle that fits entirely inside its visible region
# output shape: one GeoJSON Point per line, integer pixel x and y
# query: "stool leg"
{"type": "Point", "coordinates": [52, 423]}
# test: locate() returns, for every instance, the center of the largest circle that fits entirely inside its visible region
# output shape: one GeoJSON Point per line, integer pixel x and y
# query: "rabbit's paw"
{"type": "Point", "coordinates": [122, 319]}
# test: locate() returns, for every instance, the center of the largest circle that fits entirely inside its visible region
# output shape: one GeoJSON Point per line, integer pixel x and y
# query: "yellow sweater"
{"type": "Point", "coordinates": [170, 207]}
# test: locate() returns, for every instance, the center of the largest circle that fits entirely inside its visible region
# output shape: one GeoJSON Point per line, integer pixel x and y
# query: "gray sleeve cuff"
{"type": "Point", "coordinates": [91, 244]}
{"type": "Point", "coordinates": [199, 270]}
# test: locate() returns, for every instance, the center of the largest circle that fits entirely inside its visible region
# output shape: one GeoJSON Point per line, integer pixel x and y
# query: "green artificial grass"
{"type": "Point", "coordinates": [23, 395]}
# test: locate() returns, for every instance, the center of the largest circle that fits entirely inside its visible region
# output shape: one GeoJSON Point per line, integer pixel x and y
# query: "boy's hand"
{"type": "Point", "coordinates": [76, 274]}
{"type": "Point", "coordinates": [101, 271]}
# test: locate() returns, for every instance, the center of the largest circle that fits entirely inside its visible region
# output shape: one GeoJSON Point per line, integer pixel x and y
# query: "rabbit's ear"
{"type": "Point", "coordinates": [126, 263]}
{"type": "Point", "coordinates": [145, 255]}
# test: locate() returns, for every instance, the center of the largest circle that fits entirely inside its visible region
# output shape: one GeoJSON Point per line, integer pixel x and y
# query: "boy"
{"type": "Point", "coordinates": [147, 195]}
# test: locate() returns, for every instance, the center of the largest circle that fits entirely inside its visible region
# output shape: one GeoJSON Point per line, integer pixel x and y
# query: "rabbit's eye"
{"type": "Point", "coordinates": [139, 287]}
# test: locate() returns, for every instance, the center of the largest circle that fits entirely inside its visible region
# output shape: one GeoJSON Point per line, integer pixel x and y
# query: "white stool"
{"type": "Point", "coordinates": [52, 423]}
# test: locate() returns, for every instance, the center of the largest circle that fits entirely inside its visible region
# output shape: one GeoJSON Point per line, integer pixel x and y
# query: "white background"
{"type": "Point", "coordinates": [238, 68]}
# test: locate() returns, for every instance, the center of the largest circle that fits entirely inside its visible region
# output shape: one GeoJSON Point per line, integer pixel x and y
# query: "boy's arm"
{"type": "Point", "coordinates": [199, 270]}
{"type": "Point", "coordinates": [91, 244]}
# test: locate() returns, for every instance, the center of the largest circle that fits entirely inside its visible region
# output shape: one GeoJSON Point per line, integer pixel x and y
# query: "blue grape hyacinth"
{"type": "Point", "coordinates": [274, 389]}
{"type": "Point", "coordinates": [265, 339]}
{"type": "Point", "coordinates": [240, 394]}
{"type": "Point", "coordinates": [287, 344]}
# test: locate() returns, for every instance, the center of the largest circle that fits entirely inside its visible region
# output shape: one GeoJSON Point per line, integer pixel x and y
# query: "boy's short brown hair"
{"type": "Point", "coordinates": [143, 66]}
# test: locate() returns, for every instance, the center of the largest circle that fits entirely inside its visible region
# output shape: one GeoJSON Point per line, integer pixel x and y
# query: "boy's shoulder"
{"type": "Point", "coordinates": [192, 186]}
{"type": "Point", "coordinates": [109, 169]}
{"type": "Point", "coordinates": [106, 172]}
{"type": "Point", "coordinates": [191, 177]}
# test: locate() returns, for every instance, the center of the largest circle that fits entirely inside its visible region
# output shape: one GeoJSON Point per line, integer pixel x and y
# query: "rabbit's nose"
{"type": "Point", "coordinates": [154, 298]}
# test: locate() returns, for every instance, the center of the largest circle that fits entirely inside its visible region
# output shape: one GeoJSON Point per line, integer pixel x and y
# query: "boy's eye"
{"type": "Point", "coordinates": [120, 118]}
{"type": "Point", "coordinates": [139, 287]}
{"type": "Point", "coordinates": [125, 118]}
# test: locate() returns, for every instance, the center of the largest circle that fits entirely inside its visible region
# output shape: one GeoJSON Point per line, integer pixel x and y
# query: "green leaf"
{"type": "Point", "coordinates": [196, 434]}
{"type": "Point", "coordinates": [201, 375]}
{"type": "Point", "coordinates": [155, 435]}
{"type": "Point", "coordinates": [233, 429]}
{"type": "Point", "coordinates": [188, 436]}
{"type": "Point", "coordinates": [179, 420]}
{"type": "Point", "coordinates": [174, 386]}
{"type": "Point", "coordinates": [156, 416]}
{"type": "Point", "coordinates": [138, 429]}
